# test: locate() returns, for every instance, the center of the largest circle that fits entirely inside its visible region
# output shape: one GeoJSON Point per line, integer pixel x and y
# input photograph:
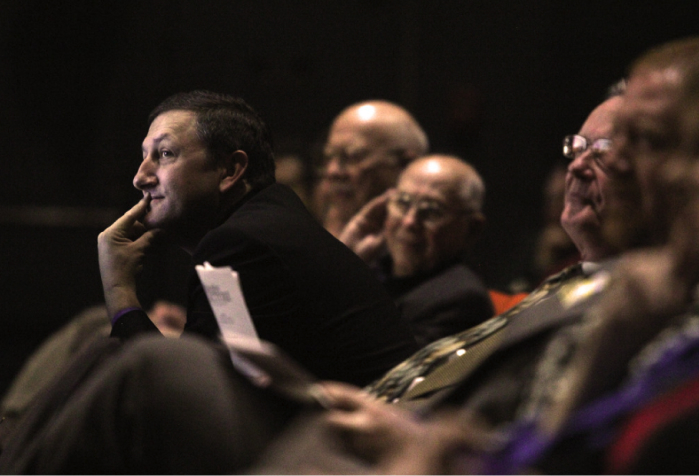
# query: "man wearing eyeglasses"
{"type": "Point", "coordinates": [586, 182]}
{"type": "Point", "coordinates": [368, 146]}
{"type": "Point", "coordinates": [559, 301]}
{"type": "Point", "coordinates": [426, 228]}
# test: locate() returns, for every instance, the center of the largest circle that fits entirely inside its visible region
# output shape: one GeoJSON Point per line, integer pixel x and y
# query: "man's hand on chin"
{"type": "Point", "coordinates": [121, 249]}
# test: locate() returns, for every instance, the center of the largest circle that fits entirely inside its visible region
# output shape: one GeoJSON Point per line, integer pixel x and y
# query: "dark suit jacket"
{"type": "Point", "coordinates": [306, 291]}
{"type": "Point", "coordinates": [444, 302]}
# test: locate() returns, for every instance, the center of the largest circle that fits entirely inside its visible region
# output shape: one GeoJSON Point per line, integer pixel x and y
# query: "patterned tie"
{"type": "Point", "coordinates": [450, 360]}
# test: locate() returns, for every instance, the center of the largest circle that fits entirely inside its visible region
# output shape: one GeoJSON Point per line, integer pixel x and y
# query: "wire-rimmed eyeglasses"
{"type": "Point", "coordinates": [429, 212]}
{"type": "Point", "coordinates": [362, 159]}
{"type": "Point", "coordinates": [575, 145]}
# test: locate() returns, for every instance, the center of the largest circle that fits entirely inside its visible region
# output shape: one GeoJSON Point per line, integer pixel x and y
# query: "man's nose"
{"type": "Point", "coordinates": [410, 218]}
{"type": "Point", "coordinates": [145, 177]}
{"type": "Point", "coordinates": [581, 166]}
{"type": "Point", "coordinates": [335, 167]}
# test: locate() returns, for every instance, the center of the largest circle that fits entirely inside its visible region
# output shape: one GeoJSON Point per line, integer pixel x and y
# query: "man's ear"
{"type": "Point", "coordinates": [232, 169]}
{"type": "Point", "coordinates": [476, 227]}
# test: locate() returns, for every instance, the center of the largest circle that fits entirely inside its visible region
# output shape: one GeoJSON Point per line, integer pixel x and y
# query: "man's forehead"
{"type": "Point", "coordinates": [432, 185]}
{"type": "Point", "coordinates": [343, 135]}
{"type": "Point", "coordinates": [353, 137]}
{"type": "Point", "coordinates": [172, 124]}
{"type": "Point", "coordinates": [175, 119]}
{"type": "Point", "coordinates": [600, 122]}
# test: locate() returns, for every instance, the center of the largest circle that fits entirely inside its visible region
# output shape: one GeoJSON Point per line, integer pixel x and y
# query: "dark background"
{"type": "Point", "coordinates": [497, 82]}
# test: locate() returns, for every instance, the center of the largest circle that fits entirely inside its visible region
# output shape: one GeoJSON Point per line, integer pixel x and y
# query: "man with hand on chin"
{"type": "Point", "coordinates": [368, 146]}
{"type": "Point", "coordinates": [208, 182]}
{"type": "Point", "coordinates": [419, 237]}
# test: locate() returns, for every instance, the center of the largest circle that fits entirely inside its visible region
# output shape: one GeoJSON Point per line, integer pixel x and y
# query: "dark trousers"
{"type": "Point", "coordinates": [155, 405]}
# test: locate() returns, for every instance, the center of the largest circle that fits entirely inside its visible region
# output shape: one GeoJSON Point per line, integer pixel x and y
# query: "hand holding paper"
{"type": "Point", "coordinates": [262, 362]}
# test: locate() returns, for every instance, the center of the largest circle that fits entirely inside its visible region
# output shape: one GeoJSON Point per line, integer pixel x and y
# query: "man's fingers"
{"type": "Point", "coordinates": [354, 409]}
{"type": "Point", "coordinates": [368, 221]}
{"type": "Point", "coordinates": [351, 421]}
{"type": "Point", "coordinates": [370, 247]}
{"type": "Point", "coordinates": [146, 240]}
{"type": "Point", "coordinates": [375, 210]}
{"type": "Point", "coordinates": [373, 215]}
{"type": "Point", "coordinates": [344, 396]}
{"type": "Point", "coordinates": [138, 229]}
{"type": "Point", "coordinates": [136, 213]}
{"type": "Point", "coordinates": [371, 244]}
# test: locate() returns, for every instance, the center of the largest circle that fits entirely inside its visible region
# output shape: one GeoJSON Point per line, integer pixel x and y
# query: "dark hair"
{"type": "Point", "coordinates": [226, 124]}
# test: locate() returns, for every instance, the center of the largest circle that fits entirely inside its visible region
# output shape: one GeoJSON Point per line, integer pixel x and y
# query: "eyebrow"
{"type": "Point", "coordinates": [345, 150]}
{"type": "Point", "coordinates": [158, 139]}
{"type": "Point", "coordinates": [419, 198]}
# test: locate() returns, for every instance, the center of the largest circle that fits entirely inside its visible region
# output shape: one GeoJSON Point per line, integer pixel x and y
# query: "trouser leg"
{"type": "Point", "coordinates": [162, 406]}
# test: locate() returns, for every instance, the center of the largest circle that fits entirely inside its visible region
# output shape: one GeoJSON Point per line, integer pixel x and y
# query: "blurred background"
{"type": "Point", "coordinates": [496, 82]}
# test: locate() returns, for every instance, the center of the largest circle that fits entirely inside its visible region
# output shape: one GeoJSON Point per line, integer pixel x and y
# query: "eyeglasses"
{"type": "Point", "coordinates": [429, 212]}
{"type": "Point", "coordinates": [574, 146]}
{"type": "Point", "coordinates": [364, 158]}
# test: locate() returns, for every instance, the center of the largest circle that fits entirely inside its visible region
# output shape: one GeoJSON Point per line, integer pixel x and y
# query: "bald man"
{"type": "Point", "coordinates": [368, 146]}
{"type": "Point", "coordinates": [418, 236]}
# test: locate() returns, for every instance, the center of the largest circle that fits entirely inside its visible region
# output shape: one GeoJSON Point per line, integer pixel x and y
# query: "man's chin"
{"type": "Point", "coordinates": [625, 226]}
{"type": "Point", "coordinates": [164, 235]}
{"type": "Point", "coordinates": [150, 223]}
{"type": "Point", "coordinates": [582, 217]}
{"type": "Point", "coordinates": [343, 201]}
{"type": "Point", "coordinates": [343, 209]}
{"type": "Point", "coordinates": [625, 223]}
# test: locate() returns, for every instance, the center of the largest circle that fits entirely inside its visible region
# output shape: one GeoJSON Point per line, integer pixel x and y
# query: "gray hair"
{"type": "Point", "coordinates": [616, 89]}
{"type": "Point", "coordinates": [472, 191]}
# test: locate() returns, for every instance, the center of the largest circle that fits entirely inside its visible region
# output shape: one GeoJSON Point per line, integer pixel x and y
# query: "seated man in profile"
{"type": "Point", "coordinates": [419, 237]}
{"type": "Point", "coordinates": [208, 185]}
